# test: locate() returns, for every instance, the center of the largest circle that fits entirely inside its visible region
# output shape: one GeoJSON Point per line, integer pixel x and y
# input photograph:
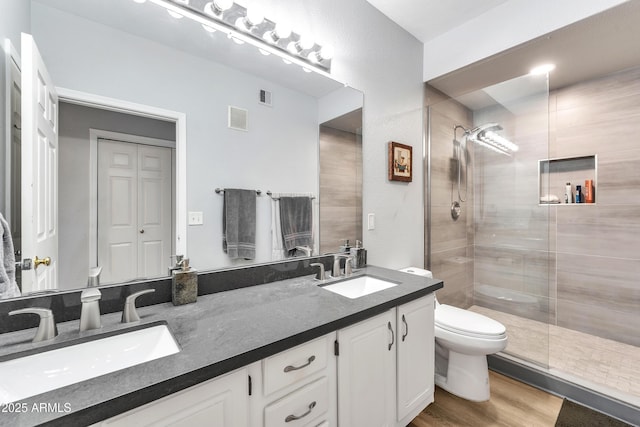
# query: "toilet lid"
{"type": "Point", "coordinates": [467, 322]}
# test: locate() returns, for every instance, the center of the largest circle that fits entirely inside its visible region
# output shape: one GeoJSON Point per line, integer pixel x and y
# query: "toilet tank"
{"type": "Point", "coordinates": [417, 271]}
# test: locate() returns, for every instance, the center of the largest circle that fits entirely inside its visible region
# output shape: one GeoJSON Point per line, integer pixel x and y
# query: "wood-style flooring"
{"type": "Point", "coordinates": [512, 404]}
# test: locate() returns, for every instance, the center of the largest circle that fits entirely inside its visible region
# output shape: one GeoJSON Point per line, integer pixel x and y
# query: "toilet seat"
{"type": "Point", "coordinates": [468, 323]}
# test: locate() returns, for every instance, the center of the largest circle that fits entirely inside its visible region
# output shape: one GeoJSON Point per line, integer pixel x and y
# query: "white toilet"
{"type": "Point", "coordinates": [463, 341]}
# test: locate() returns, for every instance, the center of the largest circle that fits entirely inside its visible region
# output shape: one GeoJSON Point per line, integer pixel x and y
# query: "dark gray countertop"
{"type": "Point", "coordinates": [217, 334]}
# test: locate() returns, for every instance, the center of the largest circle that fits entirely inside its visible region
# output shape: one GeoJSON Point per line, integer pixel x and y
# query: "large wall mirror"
{"type": "Point", "coordinates": [147, 131]}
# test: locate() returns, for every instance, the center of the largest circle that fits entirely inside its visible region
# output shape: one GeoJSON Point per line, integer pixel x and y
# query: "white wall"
{"type": "Point", "coordinates": [501, 28]}
{"type": "Point", "coordinates": [376, 56]}
{"type": "Point", "coordinates": [268, 157]}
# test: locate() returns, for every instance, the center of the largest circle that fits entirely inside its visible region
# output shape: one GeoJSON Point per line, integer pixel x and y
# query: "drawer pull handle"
{"type": "Point", "coordinates": [393, 336]}
{"type": "Point", "coordinates": [295, 368]}
{"type": "Point", "coordinates": [297, 417]}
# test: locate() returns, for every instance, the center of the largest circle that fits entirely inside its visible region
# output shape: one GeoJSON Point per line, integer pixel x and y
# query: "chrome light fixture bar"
{"type": "Point", "coordinates": [485, 136]}
{"type": "Point", "coordinates": [250, 26]}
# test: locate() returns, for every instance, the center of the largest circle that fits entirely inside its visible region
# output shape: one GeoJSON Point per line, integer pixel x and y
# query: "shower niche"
{"type": "Point", "coordinates": [555, 174]}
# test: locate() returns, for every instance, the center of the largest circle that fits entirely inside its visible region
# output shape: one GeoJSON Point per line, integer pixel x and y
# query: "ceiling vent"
{"type": "Point", "coordinates": [265, 98]}
{"type": "Point", "coordinates": [238, 118]}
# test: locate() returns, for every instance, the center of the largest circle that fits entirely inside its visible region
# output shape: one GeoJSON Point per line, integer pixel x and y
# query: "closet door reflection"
{"type": "Point", "coordinates": [134, 210]}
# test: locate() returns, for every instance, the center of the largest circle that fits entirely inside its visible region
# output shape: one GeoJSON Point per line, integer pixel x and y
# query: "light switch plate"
{"type": "Point", "coordinates": [195, 218]}
{"type": "Point", "coordinates": [371, 221]}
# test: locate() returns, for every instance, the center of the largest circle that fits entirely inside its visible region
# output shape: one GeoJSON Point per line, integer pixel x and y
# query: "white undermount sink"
{"type": "Point", "coordinates": [359, 286]}
{"type": "Point", "coordinates": [30, 375]}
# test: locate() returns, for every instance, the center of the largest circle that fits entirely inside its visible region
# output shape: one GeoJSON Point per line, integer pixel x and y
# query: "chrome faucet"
{"type": "Point", "coordinates": [47, 328]}
{"type": "Point", "coordinates": [336, 265]}
{"type": "Point", "coordinates": [90, 314]}
{"type": "Point", "coordinates": [321, 274]}
{"type": "Point", "coordinates": [93, 281]}
{"type": "Point", "coordinates": [129, 313]}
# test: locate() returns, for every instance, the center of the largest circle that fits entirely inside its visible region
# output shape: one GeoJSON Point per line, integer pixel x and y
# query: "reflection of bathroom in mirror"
{"type": "Point", "coordinates": [194, 74]}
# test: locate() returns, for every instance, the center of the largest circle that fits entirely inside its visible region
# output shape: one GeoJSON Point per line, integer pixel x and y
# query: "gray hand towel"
{"type": "Point", "coordinates": [296, 219]}
{"type": "Point", "coordinates": [8, 286]}
{"type": "Point", "coordinates": [239, 223]}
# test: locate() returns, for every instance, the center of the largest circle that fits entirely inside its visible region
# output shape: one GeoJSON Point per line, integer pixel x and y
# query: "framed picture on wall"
{"type": "Point", "coordinates": [400, 162]}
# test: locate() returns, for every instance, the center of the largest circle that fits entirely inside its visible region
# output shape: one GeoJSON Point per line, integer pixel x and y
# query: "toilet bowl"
{"type": "Point", "coordinates": [463, 341]}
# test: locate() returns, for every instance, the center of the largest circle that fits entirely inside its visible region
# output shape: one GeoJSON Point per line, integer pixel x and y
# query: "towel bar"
{"type": "Point", "coordinates": [270, 194]}
{"type": "Point", "coordinates": [221, 190]}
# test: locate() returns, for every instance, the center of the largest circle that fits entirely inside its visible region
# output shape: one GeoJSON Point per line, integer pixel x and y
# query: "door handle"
{"type": "Point", "coordinates": [393, 336]}
{"type": "Point", "coordinates": [37, 261]}
{"type": "Point", "coordinates": [142, 231]}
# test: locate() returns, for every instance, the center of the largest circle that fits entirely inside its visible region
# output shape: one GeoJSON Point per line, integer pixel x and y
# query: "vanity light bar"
{"type": "Point", "coordinates": [225, 22]}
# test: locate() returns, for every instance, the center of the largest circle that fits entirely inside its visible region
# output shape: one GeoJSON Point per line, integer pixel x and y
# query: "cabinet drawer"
{"type": "Point", "coordinates": [300, 407]}
{"type": "Point", "coordinates": [296, 364]}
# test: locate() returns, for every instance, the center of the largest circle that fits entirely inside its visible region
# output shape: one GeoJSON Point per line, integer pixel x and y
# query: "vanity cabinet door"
{"type": "Point", "coordinates": [367, 372]}
{"type": "Point", "coordinates": [415, 348]}
{"type": "Point", "coordinates": [222, 401]}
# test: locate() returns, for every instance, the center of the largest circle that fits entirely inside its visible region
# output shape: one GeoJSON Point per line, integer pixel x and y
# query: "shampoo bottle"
{"type": "Point", "coordinates": [578, 194]}
{"type": "Point", "coordinates": [588, 191]}
{"type": "Point", "coordinates": [568, 196]}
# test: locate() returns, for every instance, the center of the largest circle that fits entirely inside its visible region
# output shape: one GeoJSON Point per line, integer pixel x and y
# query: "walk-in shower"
{"type": "Point", "coordinates": [560, 276]}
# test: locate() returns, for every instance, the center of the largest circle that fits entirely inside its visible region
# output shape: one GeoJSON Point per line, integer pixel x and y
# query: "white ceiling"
{"type": "Point", "coordinates": [427, 19]}
{"type": "Point", "coordinates": [595, 46]}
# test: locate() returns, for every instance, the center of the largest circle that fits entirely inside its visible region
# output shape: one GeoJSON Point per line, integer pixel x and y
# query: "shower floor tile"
{"type": "Point", "coordinates": [605, 365]}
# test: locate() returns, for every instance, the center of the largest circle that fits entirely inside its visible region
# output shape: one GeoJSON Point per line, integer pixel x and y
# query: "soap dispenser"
{"type": "Point", "coordinates": [184, 283]}
{"type": "Point", "coordinates": [359, 255]}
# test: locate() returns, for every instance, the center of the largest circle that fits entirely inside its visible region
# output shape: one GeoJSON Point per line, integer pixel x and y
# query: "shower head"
{"type": "Point", "coordinates": [486, 136]}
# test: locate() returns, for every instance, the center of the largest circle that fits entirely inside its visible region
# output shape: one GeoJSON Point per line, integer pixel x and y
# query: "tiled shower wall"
{"type": "Point", "coordinates": [340, 188]}
{"type": "Point", "coordinates": [598, 246]}
{"type": "Point", "coordinates": [451, 241]}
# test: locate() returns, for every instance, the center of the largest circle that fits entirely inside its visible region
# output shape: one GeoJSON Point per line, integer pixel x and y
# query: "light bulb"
{"type": "Point", "coordinates": [255, 16]}
{"type": "Point", "coordinates": [286, 61]}
{"type": "Point", "coordinates": [326, 52]}
{"type": "Point", "coordinates": [306, 70]}
{"type": "Point", "coordinates": [223, 5]}
{"type": "Point", "coordinates": [282, 31]}
{"type": "Point", "coordinates": [208, 28]}
{"type": "Point", "coordinates": [313, 57]}
{"type": "Point", "coordinates": [264, 52]}
{"type": "Point", "coordinates": [305, 42]}
{"type": "Point", "coordinates": [292, 47]}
